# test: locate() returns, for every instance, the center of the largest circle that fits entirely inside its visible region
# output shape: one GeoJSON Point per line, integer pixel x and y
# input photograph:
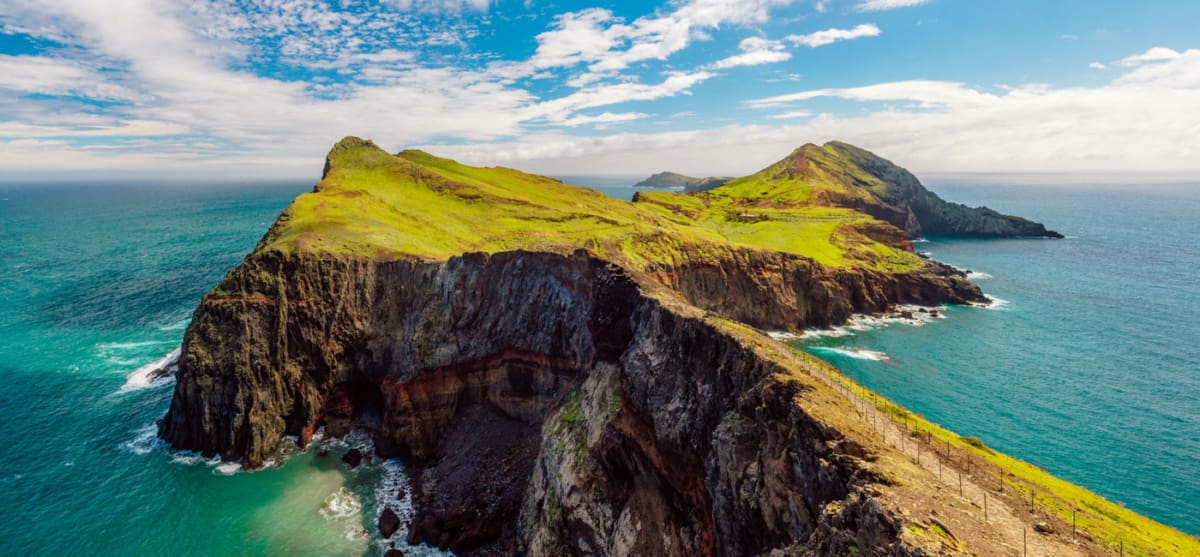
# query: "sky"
{"type": "Point", "coordinates": [262, 88]}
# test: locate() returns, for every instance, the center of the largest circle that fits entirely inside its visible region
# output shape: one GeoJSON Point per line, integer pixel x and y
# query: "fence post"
{"type": "Point", "coordinates": [1072, 524]}
{"type": "Point", "coordinates": [1024, 540]}
{"type": "Point", "coordinates": [985, 516]}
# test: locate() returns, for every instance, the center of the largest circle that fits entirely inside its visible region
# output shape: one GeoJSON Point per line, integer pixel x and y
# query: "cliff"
{"type": "Point", "coordinates": [571, 374]}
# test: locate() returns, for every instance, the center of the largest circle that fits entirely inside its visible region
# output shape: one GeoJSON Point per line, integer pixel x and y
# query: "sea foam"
{"type": "Point", "coordinates": [150, 375]}
{"type": "Point", "coordinates": [856, 353]}
{"type": "Point", "coordinates": [905, 314]}
{"type": "Point", "coordinates": [145, 441]}
{"type": "Point", "coordinates": [991, 303]}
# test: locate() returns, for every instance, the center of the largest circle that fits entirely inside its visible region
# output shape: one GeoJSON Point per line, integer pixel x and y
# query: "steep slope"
{"type": "Point", "coordinates": [838, 175]}
{"type": "Point", "coordinates": [569, 374]}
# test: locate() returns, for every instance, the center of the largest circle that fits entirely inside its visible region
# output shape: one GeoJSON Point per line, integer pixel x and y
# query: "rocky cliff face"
{"type": "Point", "coordinates": [631, 423]}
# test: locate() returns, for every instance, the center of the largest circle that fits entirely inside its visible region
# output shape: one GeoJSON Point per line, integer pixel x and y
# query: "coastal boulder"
{"type": "Point", "coordinates": [389, 522]}
{"type": "Point", "coordinates": [352, 458]}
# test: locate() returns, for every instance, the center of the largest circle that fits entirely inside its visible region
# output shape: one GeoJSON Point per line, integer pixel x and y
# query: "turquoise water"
{"type": "Point", "coordinates": [98, 281]}
{"type": "Point", "coordinates": [1091, 370]}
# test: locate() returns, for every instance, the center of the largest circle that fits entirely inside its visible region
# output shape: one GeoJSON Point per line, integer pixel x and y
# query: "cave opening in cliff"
{"type": "Point", "coordinates": [366, 403]}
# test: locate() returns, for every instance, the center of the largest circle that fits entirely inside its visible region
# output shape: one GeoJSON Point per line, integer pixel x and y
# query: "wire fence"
{"type": "Point", "coordinates": [959, 462]}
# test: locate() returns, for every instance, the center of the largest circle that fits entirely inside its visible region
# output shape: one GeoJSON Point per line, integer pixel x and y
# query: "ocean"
{"type": "Point", "coordinates": [1091, 369]}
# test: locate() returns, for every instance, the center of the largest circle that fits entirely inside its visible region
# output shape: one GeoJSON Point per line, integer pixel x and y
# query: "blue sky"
{"type": "Point", "coordinates": [262, 88]}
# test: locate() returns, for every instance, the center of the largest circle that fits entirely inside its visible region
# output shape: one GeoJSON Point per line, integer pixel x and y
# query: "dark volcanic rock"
{"type": "Point", "coordinates": [467, 497]}
{"type": "Point", "coordinates": [352, 458]}
{"type": "Point", "coordinates": [393, 552]}
{"type": "Point", "coordinates": [389, 522]}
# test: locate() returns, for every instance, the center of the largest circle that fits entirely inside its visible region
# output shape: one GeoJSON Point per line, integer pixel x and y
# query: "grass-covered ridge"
{"type": "Point", "coordinates": [413, 204]}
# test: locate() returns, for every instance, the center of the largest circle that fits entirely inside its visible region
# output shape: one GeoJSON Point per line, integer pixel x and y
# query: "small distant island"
{"type": "Point", "coordinates": [569, 374]}
{"type": "Point", "coordinates": [674, 181]}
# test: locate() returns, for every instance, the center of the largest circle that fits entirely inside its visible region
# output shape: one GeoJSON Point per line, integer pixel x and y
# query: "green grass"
{"type": "Point", "coordinates": [414, 204]}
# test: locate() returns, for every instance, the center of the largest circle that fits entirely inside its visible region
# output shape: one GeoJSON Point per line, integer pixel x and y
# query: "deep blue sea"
{"type": "Point", "coordinates": [1090, 370]}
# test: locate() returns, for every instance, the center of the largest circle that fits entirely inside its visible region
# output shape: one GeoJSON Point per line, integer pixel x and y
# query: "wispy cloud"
{"type": "Point", "coordinates": [441, 5]}
{"type": "Point", "coordinates": [603, 118]}
{"type": "Point", "coordinates": [54, 76]}
{"type": "Point", "coordinates": [1156, 54]}
{"type": "Point", "coordinates": [830, 36]}
{"type": "Point", "coordinates": [883, 5]}
{"type": "Point", "coordinates": [755, 51]}
{"type": "Point", "coordinates": [791, 114]}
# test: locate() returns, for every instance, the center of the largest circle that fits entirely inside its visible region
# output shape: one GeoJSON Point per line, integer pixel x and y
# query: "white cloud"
{"type": "Point", "coordinates": [130, 128]}
{"type": "Point", "coordinates": [560, 109]}
{"type": "Point", "coordinates": [882, 5]}
{"type": "Point", "coordinates": [603, 119]}
{"type": "Point", "coordinates": [829, 36]}
{"type": "Point", "coordinates": [441, 5]}
{"type": "Point", "coordinates": [755, 51]}
{"type": "Point", "coordinates": [1097, 66]}
{"type": "Point", "coordinates": [53, 76]}
{"type": "Point", "coordinates": [607, 43]}
{"type": "Point", "coordinates": [1156, 54]}
{"type": "Point", "coordinates": [821, 6]}
{"type": "Point", "coordinates": [926, 93]}
{"type": "Point", "coordinates": [791, 114]}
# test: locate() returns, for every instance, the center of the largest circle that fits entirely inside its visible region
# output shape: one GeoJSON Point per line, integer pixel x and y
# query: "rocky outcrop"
{"type": "Point", "coordinates": [352, 458]}
{"type": "Point", "coordinates": [389, 522]}
{"type": "Point", "coordinates": [904, 202]}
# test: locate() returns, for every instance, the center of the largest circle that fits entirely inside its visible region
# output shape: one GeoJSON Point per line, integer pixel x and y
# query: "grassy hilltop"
{"type": "Point", "coordinates": [415, 204]}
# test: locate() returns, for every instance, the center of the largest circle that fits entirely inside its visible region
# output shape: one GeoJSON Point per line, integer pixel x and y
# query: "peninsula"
{"type": "Point", "coordinates": [571, 374]}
